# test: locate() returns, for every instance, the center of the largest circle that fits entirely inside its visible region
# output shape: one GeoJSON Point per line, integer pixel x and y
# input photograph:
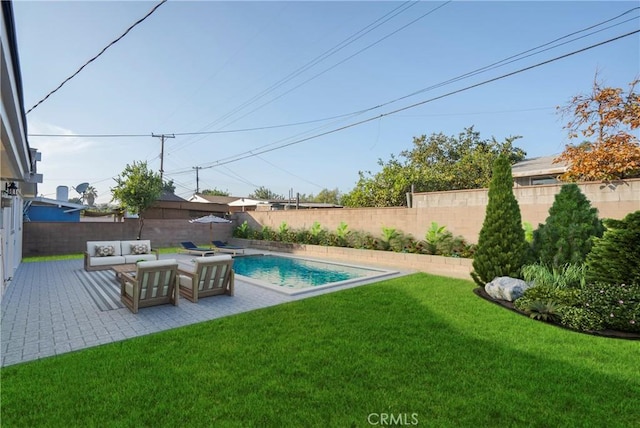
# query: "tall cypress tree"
{"type": "Point", "coordinates": [568, 232]}
{"type": "Point", "coordinates": [502, 249]}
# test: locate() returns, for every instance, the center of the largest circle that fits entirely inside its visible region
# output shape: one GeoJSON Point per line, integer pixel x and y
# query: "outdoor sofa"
{"type": "Point", "coordinates": [101, 255]}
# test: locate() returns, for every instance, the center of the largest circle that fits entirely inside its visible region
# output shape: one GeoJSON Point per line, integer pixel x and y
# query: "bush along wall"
{"type": "Point", "coordinates": [438, 240]}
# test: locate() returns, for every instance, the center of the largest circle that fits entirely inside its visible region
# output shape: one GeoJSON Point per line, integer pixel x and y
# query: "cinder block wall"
{"type": "Point", "coordinates": [52, 238]}
{"type": "Point", "coordinates": [462, 212]}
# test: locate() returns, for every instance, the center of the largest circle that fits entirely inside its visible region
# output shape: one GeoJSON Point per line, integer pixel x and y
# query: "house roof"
{"type": "Point", "coordinates": [245, 202]}
{"type": "Point", "coordinates": [533, 167]}
{"type": "Point", "coordinates": [170, 197]}
{"type": "Point", "coordinates": [199, 197]}
{"type": "Point", "coordinates": [39, 200]}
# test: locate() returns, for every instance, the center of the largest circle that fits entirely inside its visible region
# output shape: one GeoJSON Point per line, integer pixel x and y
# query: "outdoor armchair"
{"type": "Point", "coordinates": [153, 283]}
{"type": "Point", "coordinates": [211, 276]}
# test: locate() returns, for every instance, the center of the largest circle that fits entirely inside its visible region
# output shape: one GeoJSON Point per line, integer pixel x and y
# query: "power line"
{"type": "Point", "coordinates": [351, 125]}
{"type": "Point", "coordinates": [95, 57]}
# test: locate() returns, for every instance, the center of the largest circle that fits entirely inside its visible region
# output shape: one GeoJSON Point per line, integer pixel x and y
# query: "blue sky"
{"type": "Point", "coordinates": [205, 66]}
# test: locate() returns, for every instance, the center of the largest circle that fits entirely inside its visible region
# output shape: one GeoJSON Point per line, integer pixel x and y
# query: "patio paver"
{"type": "Point", "coordinates": [46, 311]}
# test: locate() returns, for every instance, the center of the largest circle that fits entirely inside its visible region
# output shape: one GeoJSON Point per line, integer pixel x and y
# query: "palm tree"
{"type": "Point", "coordinates": [90, 195]}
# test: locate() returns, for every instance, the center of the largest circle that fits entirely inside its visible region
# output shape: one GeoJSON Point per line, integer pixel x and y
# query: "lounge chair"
{"type": "Point", "coordinates": [226, 248]}
{"type": "Point", "coordinates": [212, 276]}
{"type": "Point", "coordinates": [154, 283]}
{"type": "Point", "coordinates": [191, 248]}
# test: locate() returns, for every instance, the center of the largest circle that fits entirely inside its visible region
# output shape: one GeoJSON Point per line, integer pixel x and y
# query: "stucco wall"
{"type": "Point", "coordinates": [462, 212]}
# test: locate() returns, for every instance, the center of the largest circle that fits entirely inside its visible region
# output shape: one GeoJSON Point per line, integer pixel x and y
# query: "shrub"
{"type": "Point", "coordinates": [567, 276]}
{"type": "Point", "coordinates": [502, 250]}
{"type": "Point", "coordinates": [617, 305]}
{"type": "Point", "coordinates": [615, 258]}
{"type": "Point", "coordinates": [242, 231]}
{"type": "Point", "coordinates": [544, 310]}
{"type": "Point", "coordinates": [568, 232]}
{"type": "Point", "coordinates": [566, 297]}
{"type": "Point", "coordinates": [581, 319]}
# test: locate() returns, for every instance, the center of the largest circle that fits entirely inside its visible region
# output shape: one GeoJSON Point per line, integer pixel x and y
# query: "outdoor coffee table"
{"type": "Point", "coordinates": [126, 268]}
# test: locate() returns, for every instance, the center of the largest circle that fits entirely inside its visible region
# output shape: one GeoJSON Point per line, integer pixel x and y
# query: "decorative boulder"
{"type": "Point", "coordinates": [506, 288]}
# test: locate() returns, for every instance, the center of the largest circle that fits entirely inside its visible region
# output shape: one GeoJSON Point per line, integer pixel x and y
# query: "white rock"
{"type": "Point", "coordinates": [506, 288]}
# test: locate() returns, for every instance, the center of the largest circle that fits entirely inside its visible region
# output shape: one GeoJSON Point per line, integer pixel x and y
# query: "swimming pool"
{"type": "Point", "coordinates": [292, 275]}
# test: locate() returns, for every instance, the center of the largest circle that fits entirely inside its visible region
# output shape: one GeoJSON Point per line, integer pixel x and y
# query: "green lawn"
{"type": "Point", "coordinates": [421, 348]}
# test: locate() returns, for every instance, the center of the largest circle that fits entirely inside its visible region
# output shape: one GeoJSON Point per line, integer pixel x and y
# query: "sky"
{"type": "Point", "coordinates": [300, 96]}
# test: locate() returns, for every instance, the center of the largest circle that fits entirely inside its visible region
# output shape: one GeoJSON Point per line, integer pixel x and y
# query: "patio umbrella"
{"type": "Point", "coordinates": [210, 219]}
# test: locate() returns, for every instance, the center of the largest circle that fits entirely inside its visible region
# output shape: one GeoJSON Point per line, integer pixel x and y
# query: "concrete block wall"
{"type": "Point", "coordinates": [462, 212]}
{"type": "Point", "coordinates": [54, 238]}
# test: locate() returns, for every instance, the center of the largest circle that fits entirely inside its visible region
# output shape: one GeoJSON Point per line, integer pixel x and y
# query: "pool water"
{"type": "Point", "coordinates": [295, 273]}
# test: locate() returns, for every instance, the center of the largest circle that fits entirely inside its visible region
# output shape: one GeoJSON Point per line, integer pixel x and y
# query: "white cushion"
{"type": "Point", "coordinates": [213, 258]}
{"type": "Point", "coordinates": [133, 258]}
{"type": "Point", "coordinates": [186, 281]}
{"type": "Point", "coordinates": [158, 263]}
{"type": "Point", "coordinates": [126, 245]}
{"type": "Point", "coordinates": [104, 261]}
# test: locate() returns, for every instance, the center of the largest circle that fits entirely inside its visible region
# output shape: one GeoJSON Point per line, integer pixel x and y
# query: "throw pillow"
{"type": "Point", "coordinates": [105, 250]}
{"type": "Point", "coordinates": [139, 249]}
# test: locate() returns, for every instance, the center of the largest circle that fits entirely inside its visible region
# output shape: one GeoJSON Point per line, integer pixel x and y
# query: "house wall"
{"type": "Point", "coordinates": [462, 212]}
{"type": "Point", "coordinates": [51, 213]}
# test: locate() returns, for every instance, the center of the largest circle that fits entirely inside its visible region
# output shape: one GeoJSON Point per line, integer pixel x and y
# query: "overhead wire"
{"type": "Point", "coordinates": [351, 125]}
{"type": "Point", "coordinates": [98, 55]}
{"type": "Point", "coordinates": [318, 74]}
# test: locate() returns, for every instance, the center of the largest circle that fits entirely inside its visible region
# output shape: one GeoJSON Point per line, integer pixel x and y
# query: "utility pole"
{"type": "Point", "coordinates": [162, 138]}
{"type": "Point", "coordinates": [197, 168]}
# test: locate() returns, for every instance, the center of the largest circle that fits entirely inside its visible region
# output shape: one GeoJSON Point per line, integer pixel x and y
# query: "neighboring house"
{"type": "Point", "coordinates": [171, 206]}
{"type": "Point", "coordinates": [45, 209]}
{"type": "Point", "coordinates": [536, 171]}
{"type": "Point", "coordinates": [245, 204]}
{"type": "Point", "coordinates": [18, 175]}
{"type": "Point", "coordinates": [199, 197]}
{"type": "Point", "coordinates": [293, 205]}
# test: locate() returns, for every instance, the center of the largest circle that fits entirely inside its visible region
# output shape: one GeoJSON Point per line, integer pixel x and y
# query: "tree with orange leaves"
{"type": "Point", "coordinates": [609, 115]}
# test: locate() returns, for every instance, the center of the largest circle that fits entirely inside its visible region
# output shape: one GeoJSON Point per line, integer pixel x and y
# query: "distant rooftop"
{"type": "Point", "coordinates": [542, 165]}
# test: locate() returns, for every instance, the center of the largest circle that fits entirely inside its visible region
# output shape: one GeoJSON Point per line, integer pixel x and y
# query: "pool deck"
{"type": "Point", "coordinates": [46, 311]}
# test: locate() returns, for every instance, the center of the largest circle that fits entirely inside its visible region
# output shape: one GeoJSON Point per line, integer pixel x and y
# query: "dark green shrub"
{"type": "Point", "coordinates": [568, 232]}
{"type": "Point", "coordinates": [362, 240]}
{"type": "Point", "coordinates": [581, 319]}
{"type": "Point", "coordinates": [615, 258]}
{"type": "Point", "coordinates": [566, 297]}
{"type": "Point", "coordinates": [617, 305]}
{"type": "Point", "coordinates": [502, 250]}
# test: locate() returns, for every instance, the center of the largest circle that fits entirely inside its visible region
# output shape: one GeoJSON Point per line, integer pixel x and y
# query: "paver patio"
{"type": "Point", "coordinates": [47, 311]}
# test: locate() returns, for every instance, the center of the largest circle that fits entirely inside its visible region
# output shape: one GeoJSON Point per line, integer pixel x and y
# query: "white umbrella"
{"type": "Point", "coordinates": [210, 219]}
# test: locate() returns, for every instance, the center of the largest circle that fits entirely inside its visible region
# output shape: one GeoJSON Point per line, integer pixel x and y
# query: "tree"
{"type": "Point", "coordinates": [326, 196]}
{"type": "Point", "coordinates": [502, 249]}
{"type": "Point", "coordinates": [436, 163]}
{"type": "Point", "coordinates": [137, 188]}
{"type": "Point", "coordinates": [568, 232]}
{"type": "Point", "coordinates": [615, 258]}
{"type": "Point", "coordinates": [265, 194]}
{"type": "Point", "coordinates": [215, 192]}
{"type": "Point", "coordinates": [169, 187]}
{"type": "Point", "coordinates": [608, 115]}
{"type": "Point", "coordinates": [90, 195]}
